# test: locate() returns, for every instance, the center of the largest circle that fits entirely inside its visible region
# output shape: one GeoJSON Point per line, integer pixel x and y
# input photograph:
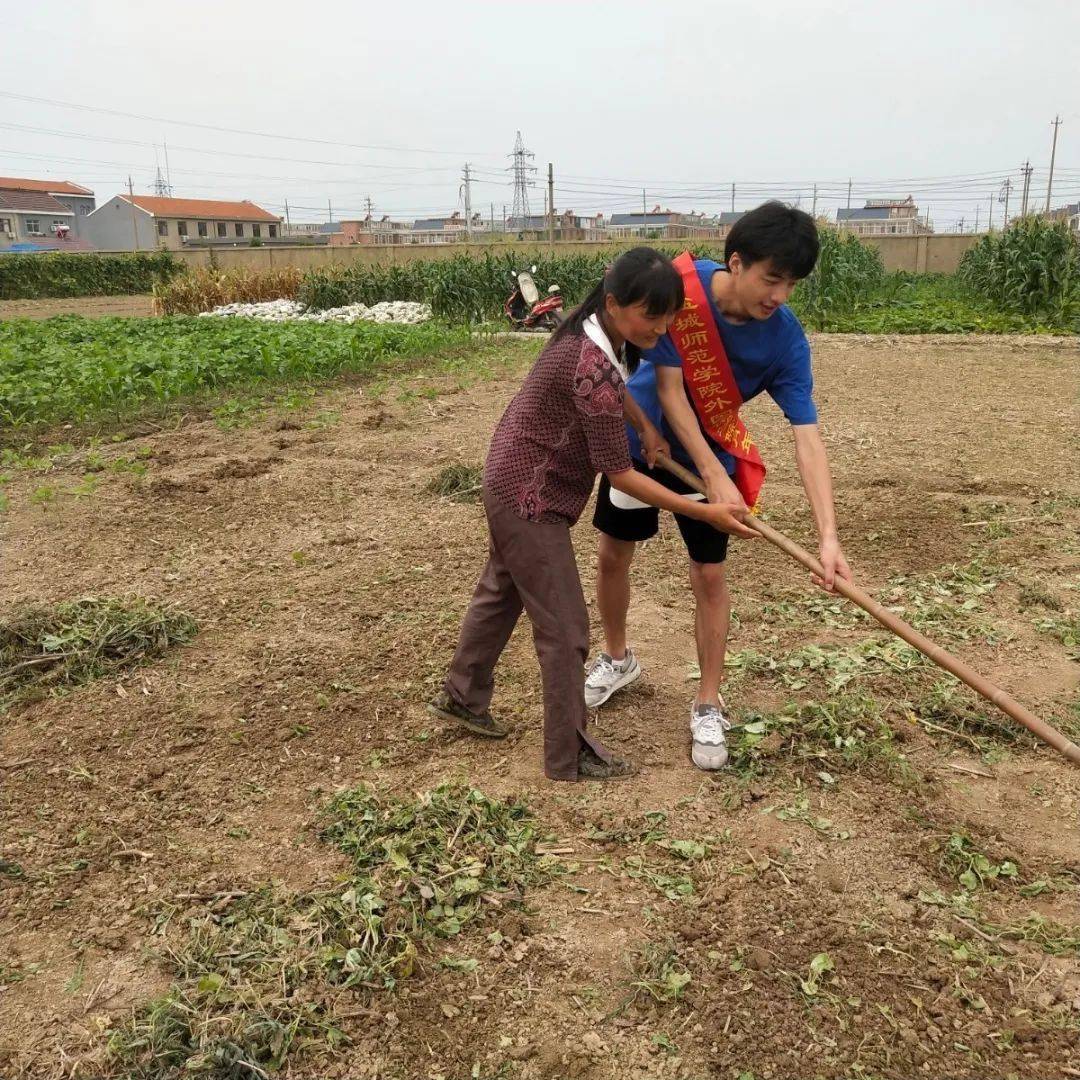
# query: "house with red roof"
{"type": "Point", "coordinates": [146, 222]}
{"type": "Point", "coordinates": [43, 215]}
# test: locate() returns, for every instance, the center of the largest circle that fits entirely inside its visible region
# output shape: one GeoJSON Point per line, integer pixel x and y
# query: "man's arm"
{"type": "Point", "coordinates": [813, 463]}
{"type": "Point", "coordinates": [652, 442]}
{"type": "Point", "coordinates": [680, 415]}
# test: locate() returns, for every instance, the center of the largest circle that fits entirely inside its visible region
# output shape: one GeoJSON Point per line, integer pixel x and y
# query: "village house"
{"type": "Point", "coordinates": [146, 222]}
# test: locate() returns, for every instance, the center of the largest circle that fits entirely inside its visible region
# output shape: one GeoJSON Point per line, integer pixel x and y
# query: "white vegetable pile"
{"type": "Point", "coordinates": [387, 311]}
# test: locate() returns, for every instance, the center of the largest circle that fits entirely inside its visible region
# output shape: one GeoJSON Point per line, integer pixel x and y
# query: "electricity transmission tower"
{"type": "Point", "coordinates": [162, 186]}
{"type": "Point", "coordinates": [523, 168]}
{"type": "Point", "coordinates": [1003, 197]}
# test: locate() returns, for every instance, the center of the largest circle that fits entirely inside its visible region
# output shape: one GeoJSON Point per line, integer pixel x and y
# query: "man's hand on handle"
{"type": "Point", "coordinates": [834, 564]}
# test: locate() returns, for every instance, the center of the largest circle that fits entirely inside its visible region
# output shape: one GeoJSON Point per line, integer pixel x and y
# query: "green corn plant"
{"type": "Point", "coordinates": [1032, 268]}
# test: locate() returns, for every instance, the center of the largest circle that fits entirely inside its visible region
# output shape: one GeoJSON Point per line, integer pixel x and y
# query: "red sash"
{"type": "Point", "coordinates": [707, 372]}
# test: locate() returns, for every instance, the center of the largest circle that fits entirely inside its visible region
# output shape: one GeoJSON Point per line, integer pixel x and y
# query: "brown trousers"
{"type": "Point", "coordinates": [530, 565]}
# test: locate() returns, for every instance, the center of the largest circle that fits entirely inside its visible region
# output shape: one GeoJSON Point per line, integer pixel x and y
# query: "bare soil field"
{"type": "Point", "coordinates": [885, 882]}
{"type": "Point", "coordinates": [88, 306]}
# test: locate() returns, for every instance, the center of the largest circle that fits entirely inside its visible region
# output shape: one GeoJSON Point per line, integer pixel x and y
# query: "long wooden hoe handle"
{"type": "Point", "coordinates": [994, 694]}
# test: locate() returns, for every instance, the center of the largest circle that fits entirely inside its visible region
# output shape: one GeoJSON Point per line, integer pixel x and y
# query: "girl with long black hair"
{"type": "Point", "coordinates": [565, 425]}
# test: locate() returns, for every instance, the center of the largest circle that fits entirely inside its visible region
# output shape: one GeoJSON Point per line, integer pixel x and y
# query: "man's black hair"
{"type": "Point", "coordinates": [787, 237]}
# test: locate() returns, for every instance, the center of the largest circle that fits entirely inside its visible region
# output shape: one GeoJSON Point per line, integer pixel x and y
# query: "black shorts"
{"type": "Point", "coordinates": [704, 544]}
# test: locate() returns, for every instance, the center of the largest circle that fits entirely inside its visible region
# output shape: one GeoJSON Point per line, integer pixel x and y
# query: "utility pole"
{"type": "Point", "coordinates": [492, 221]}
{"type": "Point", "coordinates": [1053, 154]}
{"type": "Point", "coordinates": [813, 213]}
{"type": "Point", "coordinates": [168, 173]}
{"type": "Point", "coordinates": [504, 218]}
{"type": "Point", "coordinates": [960, 225]}
{"type": "Point", "coordinates": [288, 224]}
{"type": "Point", "coordinates": [369, 207]}
{"type": "Point", "coordinates": [976, 229]}
{"type": "Point", "coordinates": [644, 210]}
{"type": "Point", "coordinates": [329, 210]}
{"type": "Point", "coordinates": [990, 223]}
{"type": "Point", "coordinates": [551, 204]}
{"type": "Point", "coordinates": [849, 193]}
{"type": "Point", "coordinates": [134, 217]}
{"type": "Point", "coordinates": [468, 204]}
{"type": "Point", "coordinates": [733, 198]}
{"type": "Point", "coordinates": [1027, 170]}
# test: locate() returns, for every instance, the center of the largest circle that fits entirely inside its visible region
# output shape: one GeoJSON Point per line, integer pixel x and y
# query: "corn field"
{"type": "Point", "coordinates": [1032, 268]}
{"type": "Point", "coordinates": [467, 288]}
{"type": "Point", "coordinates": [460, 289]}
{"type": "Point", "coordinates": [847, 274]}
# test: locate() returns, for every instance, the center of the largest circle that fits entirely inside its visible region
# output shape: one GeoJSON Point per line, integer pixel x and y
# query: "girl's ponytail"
{"type": "Point", "coordinates": [591, 305]}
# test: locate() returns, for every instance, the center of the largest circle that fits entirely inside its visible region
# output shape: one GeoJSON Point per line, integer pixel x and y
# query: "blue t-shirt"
{"type": "Point", "coordinates": [770, 355]}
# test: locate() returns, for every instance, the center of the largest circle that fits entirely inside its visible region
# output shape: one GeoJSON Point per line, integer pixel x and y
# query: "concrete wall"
{"type": "Point", "coordinates": [917, 254]}
{"type": "Point", "coordinates": [923, 254]}
{"type": "Point", "coordinates": [110, 228]}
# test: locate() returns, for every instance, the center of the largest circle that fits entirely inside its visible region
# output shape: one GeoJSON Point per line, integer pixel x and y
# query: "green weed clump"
{"type": "Point", "coordinates": [438, 856]}
{"type": "Point", "coordinates": [458, 483]}
{"type": "Point", "coordinates": [62, 274]}
{"type": "Point", "coordinates": [267, 975]}
{"type": "Point", "coordinates": [851, 731]}
{"type": "Point", "coordinates": [656, 974]}
{"type": "Point", "coordinates": [53, 648]}
{"type": "Point", "coordinates": [974, 870]}
{"type": "Point", "coordinates": [73, 369]}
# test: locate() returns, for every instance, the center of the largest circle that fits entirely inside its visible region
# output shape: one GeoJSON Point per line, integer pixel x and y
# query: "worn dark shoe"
{"type": "Point", "coordinates": [593, 767]}
{"type": "Point", "coordinates": [444, 706]}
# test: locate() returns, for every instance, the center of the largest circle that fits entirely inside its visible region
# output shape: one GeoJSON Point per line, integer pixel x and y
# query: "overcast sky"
{"type": "Point", "coordinates": [941, 99]}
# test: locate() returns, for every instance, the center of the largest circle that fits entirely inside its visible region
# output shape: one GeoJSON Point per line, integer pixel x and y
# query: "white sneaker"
{"type": "Point", "coordinates": [707, 726]}
{"type": "Point", "coordinates": [607, 675]}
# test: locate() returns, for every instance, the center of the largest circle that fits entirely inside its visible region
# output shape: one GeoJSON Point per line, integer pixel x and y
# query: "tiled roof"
{"type": "Point", "coordinates": [37, 202]}
{"type": "Point", "coordinates": [160, 206]}
{"type": "Point", "coordinates": [54, 187]}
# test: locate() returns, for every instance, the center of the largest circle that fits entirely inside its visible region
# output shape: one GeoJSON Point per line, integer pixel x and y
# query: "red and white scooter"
{"type": "Point", "coordinates": [525, 309]}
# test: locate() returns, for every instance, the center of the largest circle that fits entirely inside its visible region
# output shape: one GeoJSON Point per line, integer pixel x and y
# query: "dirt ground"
{"type": "Point", "coordinates": [89, 306]}
{"type": "Point", "coordinates": [329, 589]}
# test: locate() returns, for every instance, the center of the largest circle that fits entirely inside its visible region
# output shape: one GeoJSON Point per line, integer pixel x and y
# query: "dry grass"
{"type": "Point", "coordinates": [205, 288]}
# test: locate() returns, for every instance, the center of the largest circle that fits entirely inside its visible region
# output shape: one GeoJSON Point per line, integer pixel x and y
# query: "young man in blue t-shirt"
{"type": "Point", "coordinates": [766, 253]}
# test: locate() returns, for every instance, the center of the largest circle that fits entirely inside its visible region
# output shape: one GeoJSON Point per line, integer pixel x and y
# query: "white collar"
{"type": "Point", "coordinates": [595, 333]}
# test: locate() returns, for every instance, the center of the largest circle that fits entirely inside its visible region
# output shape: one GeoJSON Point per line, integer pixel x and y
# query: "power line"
{"type": "Point", "coordinates": [230, 130]}
{"type": "Point", "coordinates": [224, 153]}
